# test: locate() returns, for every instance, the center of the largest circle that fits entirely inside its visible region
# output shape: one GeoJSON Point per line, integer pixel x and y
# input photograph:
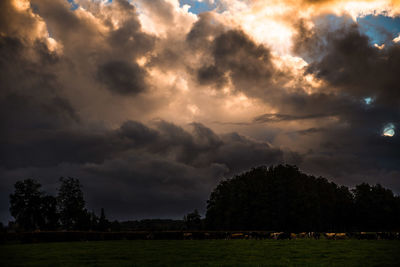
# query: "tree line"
{"type": "Point", "coordinates": [276, 198]}
{"type": "Point", "coordinates": [281, 198]}
{"type": "Point", "coordinates": [34, 209]}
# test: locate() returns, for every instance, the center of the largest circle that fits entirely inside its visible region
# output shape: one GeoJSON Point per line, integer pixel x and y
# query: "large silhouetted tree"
{"type": "Point", "coordinates": [73, 214]}
{"type": "Point", "coordinates": [282, 198]}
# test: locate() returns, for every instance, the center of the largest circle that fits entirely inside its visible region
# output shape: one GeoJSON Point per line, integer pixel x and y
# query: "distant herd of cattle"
{"type": "Point", "coordinates": [285, 235]}
{"type": "Point", "coordinates": [65, 236]}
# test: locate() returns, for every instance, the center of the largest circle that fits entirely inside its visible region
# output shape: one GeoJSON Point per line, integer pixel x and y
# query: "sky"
{"type": "Point", "coordinates": [152, 103]}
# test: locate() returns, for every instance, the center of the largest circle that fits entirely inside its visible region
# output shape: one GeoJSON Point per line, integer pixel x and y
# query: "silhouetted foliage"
{"type": "Point", "coordinates": [115, 226]}
{"type": "Point", "coordinates": [375, 208]}
{"type": "Point", "coordinates": [26, 204]}
{"type": "Point", "coordinates": [104, 224]}
{"type": "Point", "coordinates": [282, 198]}
{"type": "Point", "coordinates": [50, 215]}
{"type": "Point", "coordinates": [34, 210]}
{"type": "Point", "coordinates": [192, 220]}
{"type": "Point", "coordinates": [73, 214]}
{"type": "Point", "coordinates": [94, 221]}
{"type": "Point", "coordinates": [279, 198]}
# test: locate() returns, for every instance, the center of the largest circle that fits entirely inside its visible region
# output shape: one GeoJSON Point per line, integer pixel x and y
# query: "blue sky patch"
{"type": "Point", "coordinates": [197, 7]}
{"type": "Point", "coordinates": [368, 100]}
{"type": "Point", "coordinates": [74, 5]}
{"type": "Point", "coordinates": [380, 29]}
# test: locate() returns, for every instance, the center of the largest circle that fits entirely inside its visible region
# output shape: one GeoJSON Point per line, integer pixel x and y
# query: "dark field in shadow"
{"type": "Point", "coordinates": [204, 252]}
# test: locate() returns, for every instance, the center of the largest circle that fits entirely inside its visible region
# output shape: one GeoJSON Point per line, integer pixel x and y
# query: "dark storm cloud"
{"type": "Point", "coordinates": [235, 56]}
{"type": "Point", "coordinates": [30, 103]}
{"type": "Point", "coordinates": [354, 69]}
{"type": "Point", "coordinates": [284, 117]}
{"type": "Point", "coordinates": [129, 39]}
{"type": "Point", "coordinates": [173, 170]}
{"type": "Point", "coordinates": [122, 77]}
{"type": "Point", "coordinates": [203, 31]}
{"type": "Point", "coordinates": [138, 133]}
{"type": "Point", "coordinates": [349, 62]}
{"type": "Point", "coordinates": [149, 185]}
{"type": "Point", "coordinates": [310, 131]}
{"type": "Point", "coordinates": [212, 75]}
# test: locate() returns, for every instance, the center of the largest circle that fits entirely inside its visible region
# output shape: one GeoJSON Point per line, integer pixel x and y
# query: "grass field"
{"type": "Point", "coordinates": [205, 252]}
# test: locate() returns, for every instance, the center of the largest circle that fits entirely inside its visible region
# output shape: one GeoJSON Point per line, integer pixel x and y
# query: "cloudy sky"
{"type": "Point", "coordinates": [150, 103]}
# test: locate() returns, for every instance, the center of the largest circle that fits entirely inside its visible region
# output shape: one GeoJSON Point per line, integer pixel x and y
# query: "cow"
{"type": "Point", "coordinates": [150, 236]}
{"type": "Point", "coordinates": [237, 236]}
{"type": "Point", "coordinates": [317, 235]}
{"type": "Point", "coordinates": [329, 235]}
{"type": "Point", "coordinates": [207, 235]}
{"type": "Point", "coordinates": [275, 235]}
{"type": "Point", "coordinates": [302, 235]}
{"type": "Point", "coordinates": [341, 236]}
{"type": "Point", "coordinates": [280, 235]}
{"type": "Point", "coordinates": [314, 235]}
{"type": "Point", "coordinates": [387, 235]}
{"type": "Point", "coordinates": [187, 236]}
{"type": "Point", "coordinates": [368, 236]}
{"type": "Point", "coordinates": [284, 235]}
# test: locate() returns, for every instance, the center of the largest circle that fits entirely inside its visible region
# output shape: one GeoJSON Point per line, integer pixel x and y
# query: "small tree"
{"type": "Point", "coordinates": [25, 204]}
{"type": "Point", "coordinates": [104, 224]}
{"type": "Point", "coordinates": [192, 220]}
{"type": "Point", "coordinates": [71, 203]}
{"type": "Point", "coordinates": [94, 221]}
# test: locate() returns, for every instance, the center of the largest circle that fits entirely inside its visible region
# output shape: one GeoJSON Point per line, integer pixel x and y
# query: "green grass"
{"type": "Point", "coordinates": [205, 252]}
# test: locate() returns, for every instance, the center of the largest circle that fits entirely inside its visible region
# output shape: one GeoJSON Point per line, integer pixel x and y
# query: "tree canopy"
{"type": "Point", "coordinates": [26, 204]}
{"type": "Point", "coordinates": [71, 203]}
{"type": "Point", "coordinates": [276, 198]}
{"type": "Point", "coordinates": [33, 209]}
{"type": "Point", "coordinates": [281, 198]}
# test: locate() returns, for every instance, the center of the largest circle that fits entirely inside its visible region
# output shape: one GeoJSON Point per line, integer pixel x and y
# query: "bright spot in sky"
{"type": "Point", "coordinates": [368, 100]}
{"type": "Point", "coordinates": [389, 130]}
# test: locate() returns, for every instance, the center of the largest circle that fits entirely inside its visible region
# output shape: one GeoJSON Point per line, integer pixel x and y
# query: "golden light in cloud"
{"type": "Point", "coordinates": [238, 102]}
{"type": "Point", "coordinates": [271, 22]}
{"type": "Point", "coordinates": [53, 45]}
{"type": "Point", "coordinates": [141, 61]}
{"type": "Point", "coordinates": [193, 109]}
{"type": "Point", "coordinates": [22, 5]}
{"type": "Point", "coordinates": [267, 31]}
{"type": "Point", "coordinates": [180, 22]}
{"type": "Point", "coordinates": [265, 23]}
{"type": "Point", "coordinates": [363, 8]}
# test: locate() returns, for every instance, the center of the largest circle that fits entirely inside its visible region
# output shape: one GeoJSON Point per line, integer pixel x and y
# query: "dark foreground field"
{"type": "Point", "coordinates": [205, 252]}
